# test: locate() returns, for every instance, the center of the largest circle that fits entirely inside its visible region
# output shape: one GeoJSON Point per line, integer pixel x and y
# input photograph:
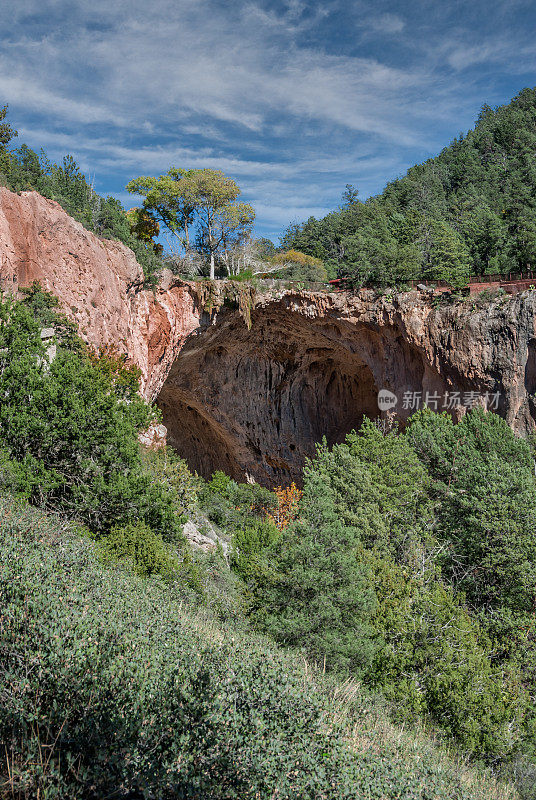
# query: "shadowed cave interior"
{"type": "Point", "coordinates": [254, 402]}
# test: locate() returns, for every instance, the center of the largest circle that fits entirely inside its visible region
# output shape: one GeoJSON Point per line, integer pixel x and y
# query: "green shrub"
{"type": "Point", "coordinates": [379, 486]}
{"type": "Point", "coordinates": [249, 544]}
{"type": "Point", "coordinates": [118, 689]}
{"type": "Point", "coordinates": [296, 266]}
{"type": "Point", "coordinates": [437, 662]}
{"type": "Point", "coordinates": [232, 505]}
{"type": "Point", "coordinates": [69, 432]}
{"type": "Point", "coordinates": [171, 473]}
{"type": "Point", "coordinates": [139, 547]}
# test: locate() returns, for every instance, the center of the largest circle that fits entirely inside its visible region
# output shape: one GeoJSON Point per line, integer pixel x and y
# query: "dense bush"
{"type": "Point", "coordinates": [140, 548]}
{"type": "Point", "coordinates": [296, 266]}
{"type": "Point", "coordinates": [436, 661]}
{"type": "Point", "coordinates": [117, 689]}
{"type": "Point", "coordinates": [249, 543]}
{"type": "Point", "coordinates": [233, 505]}
{"type": "Point", "coordinates": [379, 486]}
{"type": "Point", "coordinates": [69, 431]}
{"type": "Point", "coordinates": [484, 477]}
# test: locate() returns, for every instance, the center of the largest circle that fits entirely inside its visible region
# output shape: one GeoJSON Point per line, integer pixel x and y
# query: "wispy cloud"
{"type": "Point", "coordinates": [386, 24]}
{"type": "Point", "coordinates": [239, 68]}
{"type": "Point", "coordinates": [293, 97]}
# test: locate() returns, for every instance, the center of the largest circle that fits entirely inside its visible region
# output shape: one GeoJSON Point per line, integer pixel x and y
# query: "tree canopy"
{"type": "Point", "coordinates": [6, 131]}
{"type": "Point", "coordinates": [205, 198]}
{"type": "Point", "coordinates": [469, 211]}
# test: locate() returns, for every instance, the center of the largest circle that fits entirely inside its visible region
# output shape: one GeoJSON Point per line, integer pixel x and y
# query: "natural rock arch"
{"type": "Point", "coordinates": [254, 402]}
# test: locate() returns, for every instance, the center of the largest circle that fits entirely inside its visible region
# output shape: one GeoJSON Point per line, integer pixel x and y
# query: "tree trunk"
{"type": "Point", "coordinates": [212, 268]}
{"type": "Point", "coordinates": [187, 239]}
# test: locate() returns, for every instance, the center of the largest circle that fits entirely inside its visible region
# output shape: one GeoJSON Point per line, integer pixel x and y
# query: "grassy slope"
{"type": "Point", "coordinates": [121, 687]}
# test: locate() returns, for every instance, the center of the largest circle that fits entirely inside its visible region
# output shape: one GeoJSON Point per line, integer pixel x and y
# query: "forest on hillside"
{"type": "Point", "coordinates": [469, 211]}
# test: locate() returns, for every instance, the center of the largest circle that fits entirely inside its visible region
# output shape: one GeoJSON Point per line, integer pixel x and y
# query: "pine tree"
{"type": "Point", "coordinates": [449, 256]}
{"type": "Point", "coordinates": [317, 594]}
{"type": "Point", "coordinates": [485, 482]}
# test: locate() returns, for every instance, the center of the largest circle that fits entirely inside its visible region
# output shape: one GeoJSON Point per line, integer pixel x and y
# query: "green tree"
{"type": "Point", "coordinates": [232, 228]}
{"type": "Point", "coordinates": [7, 133]}
{"type": "Point", "coordinates": [350, 196]}
{"type": "Point", "coordinates": [145, 227]}
{"type": "Point", "coordinates": [212, 194]}
{"type": "Point", "coordinates": [206, 196]}
{"type": "Point", "coordinates": [166, 201]}
{"type": "Point", "coordinates": [316, 593]}
{"type": "Point", "coordinates": [264, 248]}
{"type": "Point", "coordinates": [437, 662]}
{"type": "Point", "coordinates": [378, 486]}
{"type": "Point", "coordinates": [449, 256]}
{"type": "Point", "coordinates": [484, 479]}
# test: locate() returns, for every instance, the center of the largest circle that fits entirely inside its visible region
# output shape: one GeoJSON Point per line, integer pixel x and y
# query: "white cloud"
{"type": "Point", "coordinates": [386, 23]}
{"type": "Point", "coordinates": [132, 88]}
{"type": "Point", "coordinates": [236, 67]}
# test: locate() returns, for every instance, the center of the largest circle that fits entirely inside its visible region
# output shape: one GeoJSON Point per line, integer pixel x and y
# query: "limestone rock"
{"type": "Point", "coordinates": [255, 401]}
{"type": "Point", "coordinates": [154, 437]}
{"type": "Point", "coordinates": [203, 535]}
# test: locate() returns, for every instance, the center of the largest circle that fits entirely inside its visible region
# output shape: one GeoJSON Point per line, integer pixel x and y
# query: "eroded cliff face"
{"type": "Point", "coordinates": [253, 400]}
{"type": "Point", "coordinates": [98, 283]}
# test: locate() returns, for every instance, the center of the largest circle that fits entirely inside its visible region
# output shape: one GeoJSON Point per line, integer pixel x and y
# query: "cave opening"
{"type": "Point", "coordinates": [254, 402]}
{"type": "Point", "coordinates": [196, 436]}
{"type": "Point", "coordinates": [530, 377]}
{"type": "Point", "coordinates": [258, 417]}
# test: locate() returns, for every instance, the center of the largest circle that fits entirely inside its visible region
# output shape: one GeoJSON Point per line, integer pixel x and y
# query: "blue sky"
{"type": "Point", "coordinates": [293, 99]}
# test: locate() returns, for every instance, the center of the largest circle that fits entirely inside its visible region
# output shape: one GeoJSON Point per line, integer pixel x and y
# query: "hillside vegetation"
{"type": "Point", "coordinates": [404, 565]}
{"type": "Point", "coordinates": [119, 686]}
{"type": "Point", "coordinates": [469, 211]}
{"type": "Point", "coordinates": [407, 563]}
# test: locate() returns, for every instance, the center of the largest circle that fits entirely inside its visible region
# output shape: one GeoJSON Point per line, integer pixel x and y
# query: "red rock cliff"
{"type": "Point", "coordinates": [97, 282]}
{"type": "Point", "coordinates": [253, 400]}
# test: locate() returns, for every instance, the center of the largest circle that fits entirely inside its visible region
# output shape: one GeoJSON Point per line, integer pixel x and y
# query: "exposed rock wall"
{"type": "Point", "coordinates": [97, 282]}
{"type": "Point", "coordinates": [254, 400]}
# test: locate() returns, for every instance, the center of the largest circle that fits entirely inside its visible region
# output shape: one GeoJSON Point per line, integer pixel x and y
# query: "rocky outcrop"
{"type": "Point", "coordinates": [98, 283]}
{"type": "Point", "coordinates": [249, 385]}
{"type": "Point", "coordinates": [203, 535]}
{"type": "Point", "coordinates": [254, 402]}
